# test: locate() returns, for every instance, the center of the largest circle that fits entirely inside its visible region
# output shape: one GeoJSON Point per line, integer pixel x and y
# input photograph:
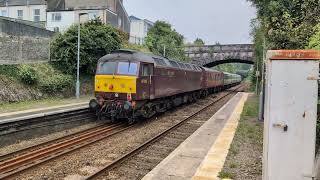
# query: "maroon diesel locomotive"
{"type": "Point", "coordinates": [131, 84]}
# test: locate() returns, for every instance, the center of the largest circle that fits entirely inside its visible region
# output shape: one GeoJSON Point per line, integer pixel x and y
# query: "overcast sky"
{"type": "Point", "coordinates": [224, 21]}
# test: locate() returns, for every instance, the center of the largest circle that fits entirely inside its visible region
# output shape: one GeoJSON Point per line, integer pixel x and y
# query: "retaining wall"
{"type": "Point", "coordinates": [22, 42]}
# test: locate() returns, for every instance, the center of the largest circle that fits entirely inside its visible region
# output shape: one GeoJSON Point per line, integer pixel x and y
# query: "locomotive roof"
{"type": "Point", "coordinates": [127, 54]}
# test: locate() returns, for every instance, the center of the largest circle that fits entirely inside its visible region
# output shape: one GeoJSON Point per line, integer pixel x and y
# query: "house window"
{"type": "Point", "coordinates": [56, 17]}
{"type": "Point", "coordinates": [36, 15]}
{"type": "Point", "coordinates": [3, 13]}
{"type": "Point", "coordinates": [20, 14]}
{"type": "Point", "coordinates": [93, 15]}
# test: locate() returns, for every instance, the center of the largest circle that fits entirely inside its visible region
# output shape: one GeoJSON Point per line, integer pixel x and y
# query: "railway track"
{"type": "Point", "coordinates": [24, 159]}
{"type": "Point", "coordinates": [160, 142]}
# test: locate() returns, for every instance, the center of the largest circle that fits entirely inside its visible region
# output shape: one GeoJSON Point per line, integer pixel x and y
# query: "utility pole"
{"type": "Point", "coordinates": [164, 51]}
{"type": "Point", "coordinates": [78, 61]}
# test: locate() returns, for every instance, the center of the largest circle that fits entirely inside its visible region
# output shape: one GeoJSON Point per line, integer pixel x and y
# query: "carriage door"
{"type": "Point", "coordinates": [147, 80]}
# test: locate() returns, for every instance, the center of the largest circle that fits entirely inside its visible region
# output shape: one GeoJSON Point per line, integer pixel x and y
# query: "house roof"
{"type": "Point", "coordinates": [133, 18]}
{"type": "Point", "coordinates": [21, 2]}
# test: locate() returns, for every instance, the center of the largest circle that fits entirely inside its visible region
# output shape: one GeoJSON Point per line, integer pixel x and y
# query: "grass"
{"type": "Point", "coordinates": [226, 175]}
{"type": "Point", "coordinates": [32, 104]}
{"type": "Point", "coordinates": [246, 149]}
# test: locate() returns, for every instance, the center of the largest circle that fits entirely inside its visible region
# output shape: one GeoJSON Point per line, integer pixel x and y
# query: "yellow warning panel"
{"type": "Point", "coordinates": [115, 83]}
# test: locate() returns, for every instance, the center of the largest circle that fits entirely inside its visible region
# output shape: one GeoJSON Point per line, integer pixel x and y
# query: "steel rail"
{"type": "Point", "coordinates": [37, 146]}
{"type": "Point", "coordinates": [32, 159]}
{"type": "Point", "coordinates": [121, 159]}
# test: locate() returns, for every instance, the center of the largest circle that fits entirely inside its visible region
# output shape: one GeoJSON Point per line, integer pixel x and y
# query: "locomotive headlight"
{"type": "Point", "coordinates": [127, 106]}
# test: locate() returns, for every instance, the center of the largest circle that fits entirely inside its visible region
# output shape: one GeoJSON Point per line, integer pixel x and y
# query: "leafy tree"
{"type": "Point", "coordinates": [199, 42]}
{"type": "Point", "coordinates": [288, 24]}
{"type": "Point", "coordinates": [97, 40]}
{"type": "Point", "coordinates": [162, 36]}
{"type": "Point", "coordinates": [315, 39]}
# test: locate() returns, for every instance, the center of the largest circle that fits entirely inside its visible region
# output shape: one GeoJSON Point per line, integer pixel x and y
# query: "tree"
{"type": "Point", "coordinates": [161, 37]}
{"type": "Point", "coordinates": [97, 40]}
{"type": "Point", "coordinates": [199, 42]}
{"type": "Point", "coordinates": [315, 39]}
{"type": "Point", "coordinates": [288, 24]}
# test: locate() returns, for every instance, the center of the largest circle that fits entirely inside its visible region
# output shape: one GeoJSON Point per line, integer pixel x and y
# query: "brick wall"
{"type": "Point", "coordinates": [23, 43]}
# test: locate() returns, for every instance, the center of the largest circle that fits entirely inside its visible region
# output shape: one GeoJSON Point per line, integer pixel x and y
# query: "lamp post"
{"type": "Point", "coordinates": [78, 60]}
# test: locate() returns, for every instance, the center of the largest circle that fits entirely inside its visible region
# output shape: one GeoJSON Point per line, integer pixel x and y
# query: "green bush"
{"type": "Point", "coordinates": [97, 40]}
{"type": "Point", "coordinates": [9, 70]}
{"type": "Point", "coordinates": [163, 35]}
{"type": "Point", "coordinates": [314, 42]}
{"type": "Point", "coordinates": [28, 75]}
{"type": "Point", "coordinates": [56, 83]}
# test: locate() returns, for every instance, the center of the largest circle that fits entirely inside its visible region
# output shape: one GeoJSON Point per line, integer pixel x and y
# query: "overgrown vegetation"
{"type": "Point", "coordinates": [163, 39]}
{"type": "Point", "coordinates": [42, 76]}
{"type": "Point", "coordinates": [288, 24]}
{"type": "Point", "coordinates": [315, 39]}
{"type": "Point", "coordinates": [97, 40]}
{"type": "Point", "coordinates": [28, 75]}
{"type": "Point", "coordinates": [284, 24]}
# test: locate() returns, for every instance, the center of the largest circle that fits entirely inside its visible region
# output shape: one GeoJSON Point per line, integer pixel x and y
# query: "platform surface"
{"type": "Point", "coordinates": [203, 154]}
{"type": "Point", "coordinates": [41, 112]}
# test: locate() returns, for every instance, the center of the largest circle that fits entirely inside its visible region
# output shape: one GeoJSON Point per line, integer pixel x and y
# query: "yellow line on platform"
{"type": "Point", "coordinates": [215, 159]}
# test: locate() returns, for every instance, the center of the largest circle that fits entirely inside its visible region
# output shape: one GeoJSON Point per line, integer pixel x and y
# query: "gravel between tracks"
{"type": "Point", "coordinates": [88, 159]}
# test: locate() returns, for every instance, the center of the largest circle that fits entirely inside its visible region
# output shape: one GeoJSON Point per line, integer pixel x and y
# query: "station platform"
{"type": "Point", "coordinates": [41, 112]}
{"type": "Point", "coordinates": [203, 154]}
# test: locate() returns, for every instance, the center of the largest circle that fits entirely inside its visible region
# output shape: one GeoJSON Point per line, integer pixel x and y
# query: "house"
{"type": "Point", "coordinates": [29, 10]}
{"type": "Point", "coordinates": [139, 29]}
{"type": "Point", "coordinates": [61, 14]}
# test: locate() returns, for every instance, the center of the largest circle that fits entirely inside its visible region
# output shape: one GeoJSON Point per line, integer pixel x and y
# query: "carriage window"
{"type": "Point", "coordinates": [188, 66]}
{"type": "Point", "coordinates": [107, 67]}
{"type": "Point", "coordinates": [127, 68]}
{"type": "Point", "coordinates": [194, 67]}
{"type": "Point", "coordinates": [160, 61]}
{"type": "Point", "coordinates": [174, 64]}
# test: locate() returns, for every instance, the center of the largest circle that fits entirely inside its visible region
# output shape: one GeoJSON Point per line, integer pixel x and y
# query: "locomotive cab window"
{"type": "Point", "coordinates": [107, 67]}
{"type": "Point", "coordinates": [127, 68]}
